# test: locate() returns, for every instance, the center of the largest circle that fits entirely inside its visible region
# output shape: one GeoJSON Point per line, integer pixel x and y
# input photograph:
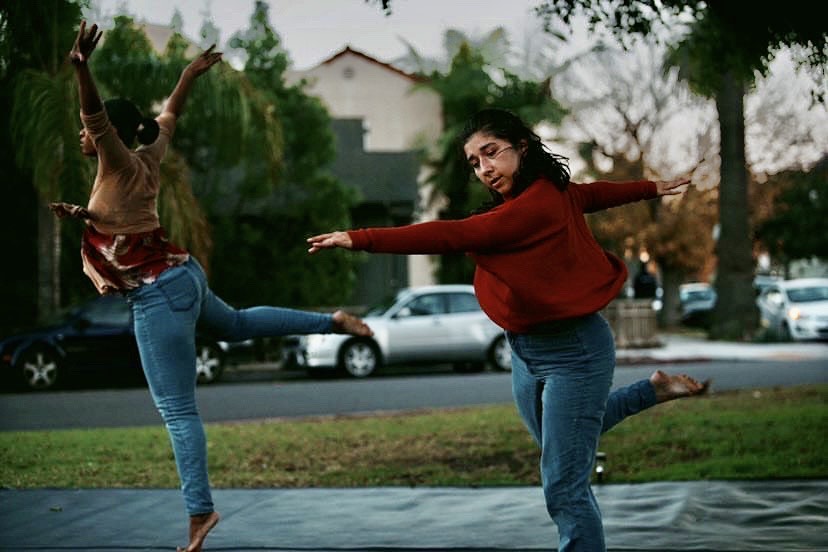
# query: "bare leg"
{"type": "Point", "coordinates": [668, 387]}
{"type": "Point", "coordinates": [200, 525]}
{"type": "Point", "coordinates": [347, 323]}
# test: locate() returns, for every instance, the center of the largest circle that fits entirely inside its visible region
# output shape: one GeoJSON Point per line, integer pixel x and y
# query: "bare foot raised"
{"type": "Point", "coordinates": [200, 525]}
{"type": "Point", "coordinates": [350, 324]}
{"type": "Point", "coordinates": [668, 387]}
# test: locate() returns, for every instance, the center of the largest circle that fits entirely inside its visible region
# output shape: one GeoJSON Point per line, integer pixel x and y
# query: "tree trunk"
{"type": "Point", "coordinates": [671, 279]}
{"type": "Point", "coordinates": [735, 315]}
{"type": "Point", "coordinates": [48, 263]}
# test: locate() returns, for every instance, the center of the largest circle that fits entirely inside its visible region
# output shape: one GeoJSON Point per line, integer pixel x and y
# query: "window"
{"type": "Point", "coordinates": [427, 304]}
{"type": "Point", "coordinates": [463, 302]}
{"type": "Point", "coordinates": [809, 294]}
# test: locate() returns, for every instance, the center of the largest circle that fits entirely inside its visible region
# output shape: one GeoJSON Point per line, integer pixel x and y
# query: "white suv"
{"type": "Point", "coordinates": [430, 324]}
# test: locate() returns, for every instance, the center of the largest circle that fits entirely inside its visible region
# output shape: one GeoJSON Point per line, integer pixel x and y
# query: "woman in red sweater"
{"type": "Point", "coordinates": [543, 278]}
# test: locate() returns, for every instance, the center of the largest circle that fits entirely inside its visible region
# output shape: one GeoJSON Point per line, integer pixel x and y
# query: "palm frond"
{"type": "Point", "coordinates": [44, 131]}
{"type": "Point", "coordinates": [180, 212]}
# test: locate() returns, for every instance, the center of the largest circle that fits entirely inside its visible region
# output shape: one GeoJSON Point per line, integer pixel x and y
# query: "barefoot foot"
{"type": "Point", "coordinates": [349, 324]}
{"type": "Point", "coordinates": [200, 525]}
{"type": "Point", "coordinates": [669, 387]}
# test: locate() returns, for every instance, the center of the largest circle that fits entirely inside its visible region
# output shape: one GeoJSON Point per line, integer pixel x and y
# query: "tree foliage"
{"type": "Point", "coordinates": [37, 86]}
{"type": "Point", "coordinates": [226, 161]}
{"type": "Point", "coordinates": [720, 53]}
{"type": "Point", "coordinates": [798, 227]}
{"type": "Point", "coordinates": [269, 227]}
{"type": "Point", "coordinates": [724, 37]}
{"type": "Point", "coordinates": [624, 108]}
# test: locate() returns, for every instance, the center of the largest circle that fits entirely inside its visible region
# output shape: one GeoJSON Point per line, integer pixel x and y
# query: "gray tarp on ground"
{"type": "Point", "coordinates": [705, 515]}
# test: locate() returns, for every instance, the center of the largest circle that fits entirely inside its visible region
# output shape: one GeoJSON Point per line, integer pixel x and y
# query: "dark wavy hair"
{"type": "Point", "coordinates": [130, 124]}
{"type": "Point", "coordinates": [537, 161]}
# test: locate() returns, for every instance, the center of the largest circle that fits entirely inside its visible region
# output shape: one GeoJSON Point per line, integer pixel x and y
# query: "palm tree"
{"type": "Point", "coordinates": [44, 130]}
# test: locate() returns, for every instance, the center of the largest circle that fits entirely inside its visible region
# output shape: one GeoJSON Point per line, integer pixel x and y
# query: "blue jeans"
{"type": "Point", "coordinates": [166, 313]}
{"type": "Point", "coordinates": [561, 378]}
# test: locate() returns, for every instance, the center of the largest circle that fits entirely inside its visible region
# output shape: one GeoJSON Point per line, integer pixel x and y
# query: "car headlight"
{"type": "Point", "coordinates": [796, 314]}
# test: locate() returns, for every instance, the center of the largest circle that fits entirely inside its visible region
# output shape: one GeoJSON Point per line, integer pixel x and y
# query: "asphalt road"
{"type": "Point", "coordinates": [259, 394]}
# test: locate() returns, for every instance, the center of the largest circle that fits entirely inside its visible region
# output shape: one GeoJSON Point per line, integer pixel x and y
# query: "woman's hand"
{"type": "Point", "coordinates": [329, 241]}
{"type": "Point", "coordinates": [671, 187]}
{"type": "Point", "coordinates": [203, 62]}
{"type": "Point", "coordinates": [61, 209]}
{"type": "Point", "coordinates": [85, 44]}
{"type": "Point", "coordinates": [200, 65]}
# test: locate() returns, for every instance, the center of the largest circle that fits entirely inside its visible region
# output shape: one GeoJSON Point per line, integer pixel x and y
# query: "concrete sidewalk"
{"type": "Point", "coordinates": [684, 348]}
{"type": "Point", "coordinates": [705, 515]}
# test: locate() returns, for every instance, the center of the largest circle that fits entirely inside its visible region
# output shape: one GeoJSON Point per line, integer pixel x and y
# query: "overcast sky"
{"type": "Point", "coordinates": [313, 30]}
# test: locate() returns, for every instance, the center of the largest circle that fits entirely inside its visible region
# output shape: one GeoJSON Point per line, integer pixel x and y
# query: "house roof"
{"type": "Point", "coordinates": [159, 36]}
{"type": "Point", "coordinates": [348, 50]}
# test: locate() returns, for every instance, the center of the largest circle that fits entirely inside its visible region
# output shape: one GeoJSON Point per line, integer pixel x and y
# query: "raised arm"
{"type": "Point", "coordinates": [85, 44]}
{"type": "Point", "coordinates": [196, 68]}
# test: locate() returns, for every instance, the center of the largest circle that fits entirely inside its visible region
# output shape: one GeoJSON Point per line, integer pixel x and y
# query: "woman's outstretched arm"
{"type": "Point", "coordinates": [196, 68]}
{"type": "Point", "coordinates": [85, 44]}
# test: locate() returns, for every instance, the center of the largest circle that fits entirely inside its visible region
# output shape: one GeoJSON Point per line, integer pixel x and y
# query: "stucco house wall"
{"type": "Point", "coordinates": [398, 115]}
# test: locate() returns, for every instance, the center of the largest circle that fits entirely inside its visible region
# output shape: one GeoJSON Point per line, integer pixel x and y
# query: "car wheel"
{"type": "Point", "coordinates": [500, 355]}
{"type": "Point", "coordinates": [40, 368]}
{"type": "Point", "coordinates": [359, 358]}
{"type": "Point", "coordinates": [209, 363]}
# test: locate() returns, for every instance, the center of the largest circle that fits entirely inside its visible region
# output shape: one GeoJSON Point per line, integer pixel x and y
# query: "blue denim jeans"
{"type": "Point", "coordinates": [561, 379]}
{"type": "Point", "coordinates": [166, 314]}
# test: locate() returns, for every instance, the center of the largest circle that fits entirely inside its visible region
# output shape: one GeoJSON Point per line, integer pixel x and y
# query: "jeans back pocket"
{"type": "Point", "coordinates": [180, 289]}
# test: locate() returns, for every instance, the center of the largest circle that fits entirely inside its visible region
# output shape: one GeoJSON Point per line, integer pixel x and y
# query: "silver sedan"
{"type": "Point", "coordinates": [430, 324]}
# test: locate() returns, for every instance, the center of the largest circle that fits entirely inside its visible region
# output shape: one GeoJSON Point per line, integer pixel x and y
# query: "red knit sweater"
{"type": "Point", "coordinates": [537, 260]}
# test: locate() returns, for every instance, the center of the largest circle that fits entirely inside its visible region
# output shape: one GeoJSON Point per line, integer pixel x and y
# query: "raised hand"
{"type": "Point", "coordinates": [671, 187]}
{"type": "Point", "coordinates": [203, 62]}
{"type": "Point", "coordinates": [85, 43]}
{"type": "Point", "coordinates": [329, 241]}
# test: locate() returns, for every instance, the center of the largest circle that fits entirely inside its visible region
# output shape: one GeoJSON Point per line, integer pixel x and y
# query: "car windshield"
{"type": "Point", "coordinates": [808, 294]}
{"type": "Point", "coordinates": [698, 295]}
{"type": "Point", "coordinates": [380, 308]}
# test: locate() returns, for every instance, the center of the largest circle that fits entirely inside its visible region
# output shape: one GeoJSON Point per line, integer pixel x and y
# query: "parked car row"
{"type": "Point", "coordinates": [425, 325]}
{"type": "Point", "coordinates": [428, 324]}
{"type": "Point", "coordinates": [789, 309]}
{"type": "Point", "coordinates": [96, 337]}
{"type": "Point", "coordinates": [435, 324]}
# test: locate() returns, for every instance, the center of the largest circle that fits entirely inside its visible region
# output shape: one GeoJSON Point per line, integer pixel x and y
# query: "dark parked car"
{"type": "Point", "coordinates": [698, 299]}
{"type": "Point", "coordinates": [96, 337]}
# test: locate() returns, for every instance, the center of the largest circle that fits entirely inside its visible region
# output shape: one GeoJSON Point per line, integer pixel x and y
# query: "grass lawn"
{"type": "Point", "coordinates": [767, 434]}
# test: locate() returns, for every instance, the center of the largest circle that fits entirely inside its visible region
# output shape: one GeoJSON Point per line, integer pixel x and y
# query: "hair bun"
{"type": "Point", "coordinates": [147, 131]}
